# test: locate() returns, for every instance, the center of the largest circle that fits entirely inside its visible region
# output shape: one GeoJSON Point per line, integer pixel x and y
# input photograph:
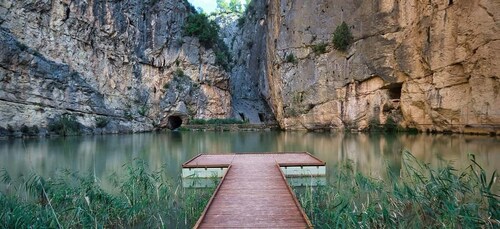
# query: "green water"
{"type": "Point", "coordinates": [371, 153]}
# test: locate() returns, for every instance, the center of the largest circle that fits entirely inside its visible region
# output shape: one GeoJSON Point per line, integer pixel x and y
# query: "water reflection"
{"type": "Point", "coordinates": [371, 153]}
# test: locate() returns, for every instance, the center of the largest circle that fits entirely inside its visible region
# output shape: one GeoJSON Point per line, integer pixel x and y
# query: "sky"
{"type": "Point", "coordinates": [208, 6]}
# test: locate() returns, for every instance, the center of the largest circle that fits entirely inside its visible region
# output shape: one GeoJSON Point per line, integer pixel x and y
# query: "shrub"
{"type": "Point", "coordinates": [30, 131]}
{"type": "Point", "coordinates": [290, 58]}
{"type": "Point", "coordinates": [143, 110]}
{"type": "Point", "coordinates": [319, 48]}
{"type": "Point", "coordinates": [65, 125]}
{"type": "Point", "coordinates": [216, 121]}
{"type": "Point", "coordinates": [342, 37]}
{"type": "Point", "coordinates": [101, 122]}
{"type": "Point", "coordinates": [179, 73]}
{"type": "Point", "coordinates": [241, 21]}
{"type": "Point", "coordinates": [222, 59]}
{"type": "Point", "coordinates": [200, 26]}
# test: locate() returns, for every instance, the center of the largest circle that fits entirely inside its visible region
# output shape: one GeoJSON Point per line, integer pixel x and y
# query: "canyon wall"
{"type": "Point", "coordinates": [430, 65]}
{"type": "Point", "coordinates": [126, 61]}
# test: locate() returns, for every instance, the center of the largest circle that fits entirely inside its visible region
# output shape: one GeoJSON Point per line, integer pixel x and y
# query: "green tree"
{"type": "Point", "coordinates": [222, 5]}
{"type": "Point", "coordinates": [198, 25]}
{"type": "Point", "coordinates": [342, 37]}
{"type": "Point", "coordinates": [235, 6]}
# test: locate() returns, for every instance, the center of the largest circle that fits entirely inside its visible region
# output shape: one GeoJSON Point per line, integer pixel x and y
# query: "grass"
{"type": "Point", "coordinates": [142, 199]}
{"type": "Point", "coordinates": [419, 197]}
{"type": "Point", "coordinates": [215, 121]}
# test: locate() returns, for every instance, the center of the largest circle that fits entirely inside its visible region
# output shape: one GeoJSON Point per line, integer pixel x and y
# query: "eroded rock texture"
{"type": "Point", "coordinates": [123, 60]}
{"type": "Point", "coordinates": [431, 65]}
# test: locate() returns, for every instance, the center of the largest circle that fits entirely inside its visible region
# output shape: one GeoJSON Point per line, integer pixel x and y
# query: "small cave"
{"type": "Point", "coordinates": [242, 116]}
{"type": "Point", "coordinates": [262, 117]}
{"type": "Point", "coordinates": [395, 91]}
{"type": "Point", "coordinates": [450, 2]}
{"type": "Point", "coordinates": [174, 122]}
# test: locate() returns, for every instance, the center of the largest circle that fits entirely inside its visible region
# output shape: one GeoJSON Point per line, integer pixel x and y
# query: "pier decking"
{"type": "Point", "coordinates": [253, 191]}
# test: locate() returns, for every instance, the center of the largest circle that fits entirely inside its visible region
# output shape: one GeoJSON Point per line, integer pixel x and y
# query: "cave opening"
{"type": "Point", "coordinates": [242, 116]}
{"type": "Point", "coordinates": [174, 122]}
{"type": "Point", "coordinates": [395, 91]}
{"type": "Point", "coordinates": [261, 117]}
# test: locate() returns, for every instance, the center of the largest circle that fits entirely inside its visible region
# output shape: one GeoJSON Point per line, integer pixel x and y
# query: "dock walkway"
{"type": "Point", "coordinates": [253, 192]}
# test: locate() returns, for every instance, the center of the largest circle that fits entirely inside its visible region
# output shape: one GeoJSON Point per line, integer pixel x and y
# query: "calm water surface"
{"type": "Point", "coordinates": [371, 153]}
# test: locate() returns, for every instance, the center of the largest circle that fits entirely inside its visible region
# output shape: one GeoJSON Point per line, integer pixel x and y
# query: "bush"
{"type": "Point", "coordinates": [222, 59]}
{"type": "Point", "coordinates": [200, 26]}
{"type": "Point", "coordinates": [215, 121]}
{"type": "Point", "coordinates": [290, 58]}
{"type": "Point", "coordinates": [179, 73]}
{"type": "Point", "coordinates": [342, 37]}
{"type": "Point", "coordinates": [65, 125]}
{"type": "Point", "coordinates": [319, 48]}
{"type": "Point", "coordinates": [143, 110]}
{"type": "Point", "coordinates": [101, 122]}
{"type": "Point", "coordinates": [30, 131]}
{"type": "Point", "coordinates": [241, 21]}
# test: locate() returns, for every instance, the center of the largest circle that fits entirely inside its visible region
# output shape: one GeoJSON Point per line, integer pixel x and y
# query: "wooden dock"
{"type": "Point", "coordinates": [253, 191]}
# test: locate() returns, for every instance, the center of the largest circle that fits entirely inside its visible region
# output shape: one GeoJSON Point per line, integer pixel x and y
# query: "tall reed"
{"type": "Point", "coordinates": [421, 196]}
{"type": "Point", "coordinates": [71, 200]}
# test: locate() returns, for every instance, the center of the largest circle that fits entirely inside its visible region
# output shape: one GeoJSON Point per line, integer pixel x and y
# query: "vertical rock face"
{"type": "Point", "coordinates": [245, 36]}
{"type": "Point", "coordinates": [431, 65]}
{"type": "Point", "coordinates": [124, 60]}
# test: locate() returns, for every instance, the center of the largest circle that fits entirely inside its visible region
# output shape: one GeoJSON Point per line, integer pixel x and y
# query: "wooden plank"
{"type": "Point", "coordinates": [254, 193]}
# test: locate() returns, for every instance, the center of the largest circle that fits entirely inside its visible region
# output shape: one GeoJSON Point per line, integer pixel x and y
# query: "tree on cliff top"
{"type": "Point", "coordinates": [199, 26]}
{"type": "Point", "coordinates": [342, 37]}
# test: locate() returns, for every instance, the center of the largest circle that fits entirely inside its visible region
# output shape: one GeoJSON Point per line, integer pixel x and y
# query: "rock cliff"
{"type": "Point", "coordinates": [120, 66]}
{"type": "Point", "coordinates": [430, 65]}
{"type": "Point", "coordinates": [124, 61]}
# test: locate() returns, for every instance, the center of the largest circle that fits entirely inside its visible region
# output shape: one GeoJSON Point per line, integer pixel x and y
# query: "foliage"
{"type": "Point", "coordinates": [30, 131]}
{"type": "Point", "coordinates": [233, 6]}
{"type": "Point", "coordinates": [419, 197]}
{"type": "Point", "coordinates": [65, 125]}
{"type": "Point", "coordinates": [342, 37]}
{"type": "Point", "coordinates": [128, 115]}
{"type": "Point", "coordinates": [241, 21]}
{"type": "Point", "coordinates": [290, 58]}
{"type": "Point", "coordinates": [206, 30]}
{"type": "Point", "coordinates": [319, 48]}
{"type": "Point", "coordinates": [200, 26]}
{"type": "Point", "coordinates": [179, 73]}
{"type": "Point", "coordinates": [216, 121]}
{"type": "Point", "coordinates": [143, 110]}
{"type": "Point", "coordinates": [101, 122]}
{"type": "Point", "coordinates": [141, 199]}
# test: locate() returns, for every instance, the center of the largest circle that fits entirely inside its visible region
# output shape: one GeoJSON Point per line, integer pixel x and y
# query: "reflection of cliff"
{"type": "Point", "coordinates": [371, 154]}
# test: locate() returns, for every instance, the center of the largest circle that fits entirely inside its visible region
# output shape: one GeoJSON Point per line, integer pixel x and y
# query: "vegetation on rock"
{"type": "Point", "coordinates": [342, 37]}
{"type": "Point", "coordinates": [319, 48]}
{"type": "Point", "coordinates": [65, 125]}
{"type": "Point", "coordinates": [215, 121]}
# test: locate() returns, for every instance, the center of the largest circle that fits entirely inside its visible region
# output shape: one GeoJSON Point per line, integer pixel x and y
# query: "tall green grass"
{"type": "Point", "coordinates": [419, 197]}
{"type": "Point", "coordinates": [71, 200]}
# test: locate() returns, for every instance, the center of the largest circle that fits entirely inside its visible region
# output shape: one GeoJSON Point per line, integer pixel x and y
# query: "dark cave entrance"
{"type": "Point", "coordinates": [395, 91]}
{"type": "Point", "coordinates": [174, 122]}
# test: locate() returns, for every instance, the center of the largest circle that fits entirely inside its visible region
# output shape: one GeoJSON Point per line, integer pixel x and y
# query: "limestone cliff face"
{"type": "Point", "coordinates": [245, 35]}
{"type": "Point", "coordinates": [124, 60]}
{"type": "Point", "coordinates": [431, 65]}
